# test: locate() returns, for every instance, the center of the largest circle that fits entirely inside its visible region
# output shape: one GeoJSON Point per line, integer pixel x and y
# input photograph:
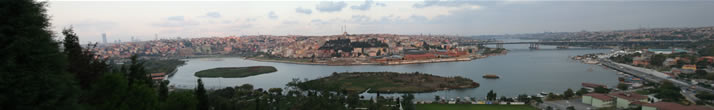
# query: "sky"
{"type": "Point", "coordinates": [149, 20]}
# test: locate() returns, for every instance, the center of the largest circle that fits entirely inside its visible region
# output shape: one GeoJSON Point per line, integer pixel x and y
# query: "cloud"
{"type": "Point", "coordinates": [319, 21]}
{"type": "Point", "coordinates": [213, 15]}
{"type": "Point", "coordinates": [94, 25]}
{"type": "Point", "coordinates": [250, 19]}
{"type": "Point", "coordinates": [446, 3]}
{"type": "Point", "coordinates": [272, 15]}
{"type": "Point", "coordinates": [290, 22]}
{"type": "Point", "coordinates": [176, 21]}
{"type": "Point", "coordinates": [176, 18]}
{"type": "Point", "coordinates": [303, 10]}
{"type": "Point", "coordinates": [364, 6]}
{"type": "Point", "coordinates": [360, 18]}
{"type": "Point", "coordinates": [381, 4]}
{"type": "Point", "coordinates": [327, 6]}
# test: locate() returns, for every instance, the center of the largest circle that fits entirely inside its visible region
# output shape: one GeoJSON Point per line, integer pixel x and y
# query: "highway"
{"type": "Point", "coordinates": [655, 76]}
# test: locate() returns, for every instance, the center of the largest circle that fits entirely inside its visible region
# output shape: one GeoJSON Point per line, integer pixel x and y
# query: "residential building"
{"type": "Point", "coordinates": [597, 100]}
{"type": "Point", "coordinates": [628, 100]}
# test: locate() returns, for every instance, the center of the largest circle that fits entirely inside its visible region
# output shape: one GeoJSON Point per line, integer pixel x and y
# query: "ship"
{"type": "Point", "coordinates": [491, 76]}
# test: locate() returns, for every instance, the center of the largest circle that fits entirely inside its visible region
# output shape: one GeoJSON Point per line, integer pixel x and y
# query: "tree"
{"type": "Point", "coordinates": [353, 100]}
{"type": "Point", "coordinates": [667, 91]}
{"type": "Point", "coordinates": [142, 97]}
{"type": "Point", "coordinates": [705, 95]}
{"type": "Point", "coordinates": [82, 62]}
{"type": "Point", "coordinates": [163, 90]}
{"type": "Point", "coordinates": [622, 86]}
{"type": "Point", "coordinates": [437, 98]}
{"type": "Point", "coordinates": [246, 87]}
{"type": "Point", "coordinates": [503, 99]}
{"type": "Point", "coordinates": [137, 73]}
{"type": "Point", "coordinates": [109, 92]}
{"type": "Point", "coordinates": [523, 98]}
{"type": "Point", "coordinates": [601, 90]}
{"type": "Point", "coordinates": [201, 96]}
{"type": "Point", "coordinates": [408, 102]}
{"type": "Point", "coordinates": [581, 92]}
{"type": "Point", "coordinates": [32, 73]}
{"type": "Point", "coordinates": [657, 59]}
{"type": "Point", "coordinates": [568, 93]}
{"type": "Point", "coordinates": [552, 96]}
{"type": "Point", "coordinates": [708, 51]}
{"type": "Point", "coordinates": [701, 72]}
{"type": "Point", "coordinates": [180, 100]}
{"type": "Point", "coordinates": [491, 95]}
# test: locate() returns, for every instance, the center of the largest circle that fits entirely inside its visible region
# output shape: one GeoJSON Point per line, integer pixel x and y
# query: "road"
{"type": "Point", "coordinates": [655, 76]}
{"type": "Point", "coordinates": [564, 104]}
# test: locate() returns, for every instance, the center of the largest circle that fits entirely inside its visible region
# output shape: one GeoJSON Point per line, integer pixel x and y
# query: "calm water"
{"type": "Point", "coordinates": [521, 70]}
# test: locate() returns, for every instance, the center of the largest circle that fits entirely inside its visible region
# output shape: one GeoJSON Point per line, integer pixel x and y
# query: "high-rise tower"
{"type": "Point", "coordinates": [104, 37]}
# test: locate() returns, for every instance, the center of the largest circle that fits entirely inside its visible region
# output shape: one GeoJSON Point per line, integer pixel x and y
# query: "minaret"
{"type": "Point", "coordinates": [344, 30]}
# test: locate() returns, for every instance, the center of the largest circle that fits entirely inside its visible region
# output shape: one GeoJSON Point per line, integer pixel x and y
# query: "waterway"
{"type": "Point", "coordinates": [522, 71]}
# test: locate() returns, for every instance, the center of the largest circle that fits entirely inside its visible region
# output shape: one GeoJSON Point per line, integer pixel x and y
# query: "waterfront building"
{"type": "Point", "coordinates": [689, 67]}
{"type": "Point", "coordinates": [629, 100]}
{"type": "Point", "coordinates": [666, 51]}
{"type": "Point", "coordinates": [597, 100]}
{"type": "Point", "coordinates": [591, 86]}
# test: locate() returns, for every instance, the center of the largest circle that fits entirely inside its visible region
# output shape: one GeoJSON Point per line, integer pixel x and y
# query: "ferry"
{"type": "Point", "coordinates": [491, 76]}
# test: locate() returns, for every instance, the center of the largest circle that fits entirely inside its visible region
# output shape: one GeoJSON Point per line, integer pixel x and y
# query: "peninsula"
{"type": "Point", "coordinates": [235, 72]}
{"type": "Point", "coordinates": [387, 82]}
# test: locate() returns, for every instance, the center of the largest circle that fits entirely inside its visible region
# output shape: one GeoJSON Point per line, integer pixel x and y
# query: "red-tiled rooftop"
{"type": "Point", "coordinates": [591, 85]}
{"type": "Point", "coordinates": [602, 97]}
{"type": "Point", "coordinates": [675, 106]}
{"type": "Point", "coordinates": [632, 97]}
{"type": "Point", "coordinates": [157, 74]}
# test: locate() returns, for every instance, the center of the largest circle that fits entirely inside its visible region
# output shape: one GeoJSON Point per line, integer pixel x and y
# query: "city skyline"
{"type": "Point", "coordinates": [188, 19]}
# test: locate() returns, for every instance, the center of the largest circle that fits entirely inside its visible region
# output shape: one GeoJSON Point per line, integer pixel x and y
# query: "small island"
{"type": "Point", "coordinates": [387, 82]}
{"type": "Point", "coordinates": [235, 72]}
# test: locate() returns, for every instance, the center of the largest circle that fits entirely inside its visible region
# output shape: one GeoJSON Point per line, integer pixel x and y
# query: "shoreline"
{"type": "Point", "coordinates": [402, 62]}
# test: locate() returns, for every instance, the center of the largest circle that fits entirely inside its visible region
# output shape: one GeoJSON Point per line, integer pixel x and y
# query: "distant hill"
{"type": "Point", "coordinates": [697, 33]}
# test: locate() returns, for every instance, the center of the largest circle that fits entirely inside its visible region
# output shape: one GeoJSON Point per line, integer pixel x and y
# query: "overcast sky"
{"type": "Point", "coordinates": [190, 19]}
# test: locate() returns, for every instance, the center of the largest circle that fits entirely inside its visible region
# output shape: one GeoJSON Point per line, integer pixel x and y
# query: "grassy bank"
{"type": "Point", "coordinates": [163, 66]}
{"type": "Point", "coordinates": [387, 82]}
{"type": "Point", "coordinates": [235, 72]}
{"type": "Point", "coordinates": [472, 107]}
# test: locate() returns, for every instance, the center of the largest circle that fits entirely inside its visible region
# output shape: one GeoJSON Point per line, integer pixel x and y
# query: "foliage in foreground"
{"type": "Point", "coordinates": [472, 107]}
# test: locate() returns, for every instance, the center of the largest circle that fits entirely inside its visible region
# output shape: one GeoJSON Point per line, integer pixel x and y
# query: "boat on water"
{"type": "Point", "coordinates": [491, 76]}
{"type": "Point", "coordinates": [542, 94]}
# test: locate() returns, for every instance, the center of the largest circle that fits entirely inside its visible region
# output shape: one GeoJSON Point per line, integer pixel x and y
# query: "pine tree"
{"type": "Point", "coordinates": [82, 62]}
{"type": "Point", "coordinates": [201, 96]}
{"type": "Point", "coordinates": [491, 95]}
{"type": "Point", "coordinates": [32, 73]}
{"type": "Point", "coordinates": [137, 74]}
{"type": "Point", "coordinates": [163, 90]}
{"type": "Point", "coordinates": [568, 93]}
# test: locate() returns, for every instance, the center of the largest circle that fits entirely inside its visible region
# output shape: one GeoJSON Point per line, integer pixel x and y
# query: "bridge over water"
{"type": "Point", "coordinates": [536, 44]}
